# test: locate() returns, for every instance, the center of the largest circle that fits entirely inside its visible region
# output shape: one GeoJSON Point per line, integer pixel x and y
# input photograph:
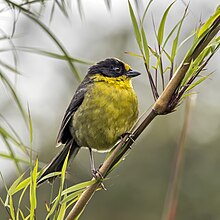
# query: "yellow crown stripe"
{"type": "Point", "coordinates": [127, 67]}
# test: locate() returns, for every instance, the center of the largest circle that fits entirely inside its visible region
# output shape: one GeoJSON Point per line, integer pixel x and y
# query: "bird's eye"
{"type": "Point", "coordinates": [117, 69]}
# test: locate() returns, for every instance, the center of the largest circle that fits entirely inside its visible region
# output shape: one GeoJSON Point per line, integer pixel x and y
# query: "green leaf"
{"type": "Point", "coordinates": [9, 67]}
{"type": "Point", "coordinates": [197, 83]}
{"type": "Point", "coordinates": [7, 83]}
{"type": "Point", "coordinates": [58, 198]}
{"type": "Point", "coordinates": [133, 54]}
{"type": "Point", "coordinates": [33, 187]}
{"type": "Point", "coordinates": [13, 189]}
{"type": "Point", "coordinates": [5, 134]}
{"type": "Point", "coordinates": [6, 156]}
{"type": "Point", "coordinates": [30, 128]}
{"type": "Point", "coordinates": [12, 154]}
{"type": "Point", "coordinates": [52, 55]}
{"type": "Point", "coordinates": [49, 33]}
{"type": "Point", "coordinates": [23, 184]}
{"type": "Point", "coordinates": [19, 203]}
{"type": "Point", "coordinates": [203, 29]}
{"type": "Point", "coordinates": [160, 33]}
{"type": "Point", "coordinates": [72, 196]}
{"type": "Point", "coordinates": [62, 210]}
{"type": "Point", "coordinates": [51, 175]}
{"type": "Point", "coordinates": [145, 12]}
{"type": "Point", "coordinates": [78, 187]}
{"type": "Point", "coordinates": [135, 26]}
{"type": "Point", "coordinates": [146, 49]}
{"type": "Point", "coordinates": [176, 40]}
{"type": "Point", "coordinates": [11, 207]}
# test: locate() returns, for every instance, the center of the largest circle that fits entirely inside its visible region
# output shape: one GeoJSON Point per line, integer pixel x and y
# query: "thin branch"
{"type": "Point", "coordinates": [159, 107]}
{"type": "Point", "coordinates": [114, 157]}
{"type": "Point", "coordinates": [171, 200]}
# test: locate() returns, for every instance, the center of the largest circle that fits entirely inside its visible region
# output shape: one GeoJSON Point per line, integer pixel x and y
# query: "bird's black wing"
{"type": "Point", "coordinates": [64, 134]}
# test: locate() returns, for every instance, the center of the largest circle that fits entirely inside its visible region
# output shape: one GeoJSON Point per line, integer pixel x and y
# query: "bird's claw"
{"type": "Point", "coordinates": [130, 136]}
{"type": "Point", "coordinates": [98, 176]}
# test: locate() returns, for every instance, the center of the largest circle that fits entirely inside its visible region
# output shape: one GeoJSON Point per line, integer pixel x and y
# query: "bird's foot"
{"type": "Point", "coordinates": [130, 136]}
{"type": "Point", "coordinates": [98, 176]}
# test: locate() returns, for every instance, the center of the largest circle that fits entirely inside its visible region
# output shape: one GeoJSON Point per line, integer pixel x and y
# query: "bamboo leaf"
{"type": "Point", "coordinates": [133, 54]}
{"type": "Point", "coordinates": [197, 83]}
{"type": "Point", "coordinates": [205, 27]}
{"type": "Point", "coordinates": [7, 83]}
{"type": "Point", "coordinates": [23, 184]}
{"type": "Point", "coordinates": [135, 26]}
{"type": "Point", "coordinates": [78, 187]}
{"type": "Point", "coordinates": [13, 189]}
{"type": "Point", "coordinates": [160, 33]}
{"type": "Point", "coordinates": [176, 40]}
{"type": "Point", "coordinates": [62, 210]}
{"type": "Point", "coordinates": [49, 33]}
{"type": "Point", "coordinates": [72, 196]}
{"type": "Point", "coordinates": [11, 207]}
{"type": "Point", "coordinates": [52, 55]}
{"type": "Point", "coordinates": [145, 12]}
{"type": "Point", "coordinates": [58, 198]}
{"type": "Point", "coordinates": [33, 186]}
{"type": "Point", "coordinates": [9, 67]}
{"type": "Point", "coordinates": [146, 48]}
{"type": "Point", "coordinates": [50, 175]}
{"type": "Point", "coordinates": [6, 156]}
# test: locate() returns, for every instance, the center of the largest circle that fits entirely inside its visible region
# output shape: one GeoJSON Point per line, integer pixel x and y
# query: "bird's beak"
{"type": "Point", "coordinates": [132, 73]}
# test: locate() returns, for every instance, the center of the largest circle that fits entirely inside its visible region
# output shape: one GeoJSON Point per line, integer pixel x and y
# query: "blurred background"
{"type": "Point", "coordinates": [92, 32]}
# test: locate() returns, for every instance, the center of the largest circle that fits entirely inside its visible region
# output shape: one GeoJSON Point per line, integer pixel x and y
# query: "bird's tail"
{"type": "Point", "coordinates": [57, 163]}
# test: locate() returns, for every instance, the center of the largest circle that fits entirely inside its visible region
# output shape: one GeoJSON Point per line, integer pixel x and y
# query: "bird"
{"type": "Point", "coordinates": [103, 108]}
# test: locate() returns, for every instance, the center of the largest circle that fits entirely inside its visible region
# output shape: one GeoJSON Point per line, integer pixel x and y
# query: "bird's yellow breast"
{"type": "Point", "coordinates": [109, 109]}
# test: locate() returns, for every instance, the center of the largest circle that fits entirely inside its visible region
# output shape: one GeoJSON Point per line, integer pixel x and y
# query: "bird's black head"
{"type": "Point", "coordinates": [112, 67]}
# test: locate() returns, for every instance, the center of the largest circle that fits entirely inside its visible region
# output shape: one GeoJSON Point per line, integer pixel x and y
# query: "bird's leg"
{"type": "Point", "coordinates": [95, 172]}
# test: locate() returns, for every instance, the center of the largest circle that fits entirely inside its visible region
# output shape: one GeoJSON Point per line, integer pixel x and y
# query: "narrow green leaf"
{"type": "Point", "coordinates": [62, 210]}
{"type": "Point", "coordinates": [176, 40]}
{"type": "Point", "coordinates": [7, 83]}
{"type": "Point", "coordinates": [72, 201]}
{"type": "Point", "coordinates": [170, 34]}
{"type": "Point", "coordinates": [23, 184]}
{"type": "Point", "coordinates": [197, 83]}
{"type": "Point", "coordinates": [12, 154]}
{"type": "Point", "coordinates": [50, 175]}
{"type": "Point", "coordinates": [53, 55]}
{"type": "Point", "coordinates": [11, 207]}
{"type": "Point", "coordinates": [19, 203]}
{"type": "Point", "coordinates": [160, 33]}
{"type": "Point", "coordinates": [6, 156]}
{"type": "Point", "coordinates": [5, 134]}
{"type": "Point", "coordinates": [78, 187]}
{"type": "Point", "coordinates": [145, 11]}
{"type": "Point", "coordinates": [49, 33]}
{"type": "Point", "coordinates": [133, 54]}
{"type": "Point", "coordinates": [9, 67]}
{"type": "Point", "coordinates": [135, 26]}
{"type": "Point", "coordinates": [21, 214]}
{"type": "Point", "coordinates": [58, 198]}
{"type": "Point", "coordinates": [72, 196]}
{"type": "Point", "coordinates": [33, 186]}
{"type": "Point", "coordinates": [11, 129]}
{"type": "Point", "coordinates": [30, 128]}
{"type": "Point", "coordinates": [63, 171]}
{"type": "Point", "coordinates": [12, 190]}
{"type": "Point", "coordinates": [146, 49]}
{"type": "Point", "coordinates": [209, 22]}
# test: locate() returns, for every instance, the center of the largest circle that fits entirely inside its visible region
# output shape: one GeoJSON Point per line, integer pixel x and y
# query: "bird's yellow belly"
{"type": "Point", "coordinates": [107, 112]}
